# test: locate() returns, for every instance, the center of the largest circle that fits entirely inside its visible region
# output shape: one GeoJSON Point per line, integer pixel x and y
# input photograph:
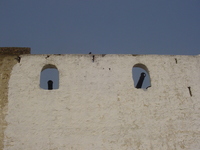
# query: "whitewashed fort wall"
{"type": "Point", "coordinates": [97, 106]}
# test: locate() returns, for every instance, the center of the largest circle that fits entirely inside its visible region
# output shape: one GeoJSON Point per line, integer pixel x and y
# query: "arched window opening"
{"type": "Point", "coordinates": [141, 76]}
{"type": "Point", "coordinates": [49, 77]}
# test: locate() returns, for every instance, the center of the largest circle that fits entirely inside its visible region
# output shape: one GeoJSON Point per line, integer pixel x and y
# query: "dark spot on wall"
{"type": "Point", "coordinates": [190, 91]}
{"type": "Point", "coordinates": [47, 56]}
{"type": "Point", "coordinates": [103, 55]}
{"type": "Point", "coordinates": [18, 58]}
{"type": "Point", "coordinates": [109, 68]}
{"type": "Point", "coordinates": [134, 54]}
{"type": "Point", "coordinates": [176, 61]}
{"type": "Point", "coordinates": [93, 57]}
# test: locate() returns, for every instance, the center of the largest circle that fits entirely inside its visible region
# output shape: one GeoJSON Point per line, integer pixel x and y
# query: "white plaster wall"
{"type": "Point", "coordinates": [99, 109]}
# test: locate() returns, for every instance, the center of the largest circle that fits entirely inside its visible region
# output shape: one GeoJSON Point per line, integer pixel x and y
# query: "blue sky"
{"type": "Point", "coordinates": [101, 26]}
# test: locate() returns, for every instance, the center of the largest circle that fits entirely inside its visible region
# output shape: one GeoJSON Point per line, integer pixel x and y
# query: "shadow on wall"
{"type": "Point", "coordinates": [141, 77]}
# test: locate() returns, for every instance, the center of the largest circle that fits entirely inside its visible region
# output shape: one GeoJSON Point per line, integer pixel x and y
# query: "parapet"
{"type": "Point", "coordinates": [14, 50]}
{"type": "Point", "coordinates": [96, 103]}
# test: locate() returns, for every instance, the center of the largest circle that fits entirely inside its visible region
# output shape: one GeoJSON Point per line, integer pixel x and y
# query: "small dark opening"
{"type": "Point", "coordinates": [50, 85]}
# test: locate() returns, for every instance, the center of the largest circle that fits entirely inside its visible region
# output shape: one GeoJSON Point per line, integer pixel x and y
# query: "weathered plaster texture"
{"type": "Point", "coordinates": [8, 58]}
{"type": "Point", "coordinates": [6, 64]}
{"type": "Point", "coordinates": [97, 107]}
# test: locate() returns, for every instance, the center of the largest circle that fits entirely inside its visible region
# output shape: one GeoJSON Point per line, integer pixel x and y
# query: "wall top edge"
{"type": "Point", "coordinates": [27, 51]}
{"type": "Point", "coordinates": [114, 55]}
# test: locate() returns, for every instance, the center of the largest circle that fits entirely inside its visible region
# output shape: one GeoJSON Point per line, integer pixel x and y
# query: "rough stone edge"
{"type": "Point", "coordinates": [14, 50]}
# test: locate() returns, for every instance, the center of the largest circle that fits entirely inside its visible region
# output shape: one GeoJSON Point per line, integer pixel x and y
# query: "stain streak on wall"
{"type": "Point", "coordinates": [7, 61]}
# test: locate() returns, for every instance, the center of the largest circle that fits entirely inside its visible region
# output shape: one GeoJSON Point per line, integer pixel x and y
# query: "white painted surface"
{"type": "Point", "coordinates": [99, 109]}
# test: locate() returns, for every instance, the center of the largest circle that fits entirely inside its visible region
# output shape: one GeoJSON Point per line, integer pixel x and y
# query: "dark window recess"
{"type": "Point", "coordinates": [50, 85]}
{"type": "Point", "coordinates": [49, 77]}
{"type": "Point", "coordinates": [141, 76]}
